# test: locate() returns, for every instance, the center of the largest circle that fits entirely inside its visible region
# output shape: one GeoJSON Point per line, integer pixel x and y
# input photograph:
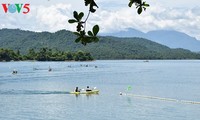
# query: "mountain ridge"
{"type": "Point", "coordinates": [106, 48]}
{"type": "Point", "coordinates": [170, 38]}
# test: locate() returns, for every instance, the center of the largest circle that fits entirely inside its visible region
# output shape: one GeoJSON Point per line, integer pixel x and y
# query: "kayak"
{"type": "Point", "coordinates": [86, 92]}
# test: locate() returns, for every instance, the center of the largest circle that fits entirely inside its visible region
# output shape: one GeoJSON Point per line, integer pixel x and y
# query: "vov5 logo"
{"type": "Point", "coordinates": [19, 8]}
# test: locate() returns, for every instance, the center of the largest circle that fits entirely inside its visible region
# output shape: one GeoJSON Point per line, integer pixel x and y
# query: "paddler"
{"type": "Point", "coordinates": [88, 89]}
{"type": "Point", "coordinates": [76, 89]}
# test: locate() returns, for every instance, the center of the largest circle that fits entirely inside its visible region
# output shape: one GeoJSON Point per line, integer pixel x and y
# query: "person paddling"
{"type": "Point", "coordinates": [14, 71]}
{"type": "Point", "coordinates": [76, 89]}
{"type": "Point", "coordinates": [50, 69]}
{"type": "Point", "coordinates": [88, 89]}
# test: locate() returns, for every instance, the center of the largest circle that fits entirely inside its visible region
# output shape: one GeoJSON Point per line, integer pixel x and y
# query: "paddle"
{"type": "Point", "coordinates": [94, 88]}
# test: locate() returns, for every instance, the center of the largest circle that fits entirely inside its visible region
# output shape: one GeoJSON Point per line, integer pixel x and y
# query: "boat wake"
{"type": "Point", "coordinates": [161, 98]}
{"type": "Point", "coordinates": [30, 92]}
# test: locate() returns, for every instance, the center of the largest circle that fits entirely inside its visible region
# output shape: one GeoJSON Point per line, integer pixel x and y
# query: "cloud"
{"type": "Point", "coordinates": [55, 17]}
{"type": "Point", "coordinates": [40, 18]}
{"type": "Point", "coordinates": [155, 18]}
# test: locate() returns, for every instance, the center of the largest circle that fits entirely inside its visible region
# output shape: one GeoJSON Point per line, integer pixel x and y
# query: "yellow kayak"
{"type": "Point", "coordinates": [86, 92]}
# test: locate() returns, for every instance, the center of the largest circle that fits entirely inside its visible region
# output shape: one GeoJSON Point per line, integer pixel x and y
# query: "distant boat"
{"type": "Point", "coordinates": [14, 71]}
{"type": "Point", "coordinates": [35, 69]}
{"type": "Point", "coordinates": [146, 61]}
{"type": "Point", "coordinates": [50, 69]}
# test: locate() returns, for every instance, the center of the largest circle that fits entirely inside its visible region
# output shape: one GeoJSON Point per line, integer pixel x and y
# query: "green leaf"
{"type": "Point", "coordinates": [85, 40]}
{"type": "Point", "coordinates": [139, 10]}
{"type": "Point", "coordinates": [92, 5]}
{"type": "Point", "coordinates": [77, 34]}
{"type": "Point", "coordinates": [80, 16]}
{"type": "Point", "coordinates": [76, 16]}
{"type": "Point", "coordinates": [90, 33]}
{"type": "Point", "coordinates": [96, 39]}
{"type": "Point", "coordinates": [82, 33]}
{"type": "Point", "coordinates": [87, 2]}
{"type": "Point", "coordinates": [95, 30]}
{"type": "Point", "coordinates": [146, 5]}
{"type": "Point", "coordinates": [138, 1]}
{"type": "Point", "coordinates": [79, 26]}
{"type": "Point", "coordinates": [78, 40]}
{"type": "Point", "coordinates": [130, 3]}
{"type": "Point", "coordinates": [72, 21]}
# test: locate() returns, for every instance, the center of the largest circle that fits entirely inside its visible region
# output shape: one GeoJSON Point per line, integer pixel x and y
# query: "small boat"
{"type": "Point", "coordinates": [86, 92]}
{"type": "Point", "coordinates": [14, 71]}
{"type": "Point", "coordinates": [50, 69]}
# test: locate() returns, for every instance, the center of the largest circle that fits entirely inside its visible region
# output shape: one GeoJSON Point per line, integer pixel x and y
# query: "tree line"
{"type": "Point", "coordinates": [44, 54]}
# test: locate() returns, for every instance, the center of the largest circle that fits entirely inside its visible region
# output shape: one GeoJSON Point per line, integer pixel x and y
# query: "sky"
{"type": "Point", "coordinates": [112, 16]}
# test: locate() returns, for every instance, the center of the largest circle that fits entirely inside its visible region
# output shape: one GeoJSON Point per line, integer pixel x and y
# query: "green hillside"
{"type": "Point", "coordinates": [106, 48]}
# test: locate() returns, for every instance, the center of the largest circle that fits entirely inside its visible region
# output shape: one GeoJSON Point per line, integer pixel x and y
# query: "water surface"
{"type": "Point", "coordinates": [36, 94]}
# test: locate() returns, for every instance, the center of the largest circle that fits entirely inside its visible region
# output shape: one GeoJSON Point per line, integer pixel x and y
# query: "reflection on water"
{"type": "Point", "coordinates": [129, 100]}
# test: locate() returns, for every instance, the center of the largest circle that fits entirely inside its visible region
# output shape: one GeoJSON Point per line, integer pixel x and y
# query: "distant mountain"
{"type": "Point", "coordinates": [126, 33]}
{"type": "Point", "coordinates": [106, 48]}
{"type": "Point", "coordinates": [172, 39]}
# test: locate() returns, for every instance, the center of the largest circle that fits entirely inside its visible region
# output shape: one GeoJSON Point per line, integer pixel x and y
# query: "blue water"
{"type": "Point", "coordinates": [36, 94]}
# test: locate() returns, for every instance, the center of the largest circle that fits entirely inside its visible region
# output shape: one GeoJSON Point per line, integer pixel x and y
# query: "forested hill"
{"type": "Point", "coordinates": [106, 48]}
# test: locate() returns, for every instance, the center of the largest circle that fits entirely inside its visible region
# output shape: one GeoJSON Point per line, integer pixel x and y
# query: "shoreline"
{"type": "Point", "coordinates": [144, 60]}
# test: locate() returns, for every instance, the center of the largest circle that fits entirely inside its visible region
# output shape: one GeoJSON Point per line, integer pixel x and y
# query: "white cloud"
{"type": "Point", "coordinates": [40, 18]}
{"type": "Point", "coordinates": [156, 17]}
{"type": "Point", "coordinates": [55, 17]}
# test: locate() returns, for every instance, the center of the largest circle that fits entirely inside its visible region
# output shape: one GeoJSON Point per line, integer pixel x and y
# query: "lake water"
{"type": "Point", "coordinates": [36, 94]}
